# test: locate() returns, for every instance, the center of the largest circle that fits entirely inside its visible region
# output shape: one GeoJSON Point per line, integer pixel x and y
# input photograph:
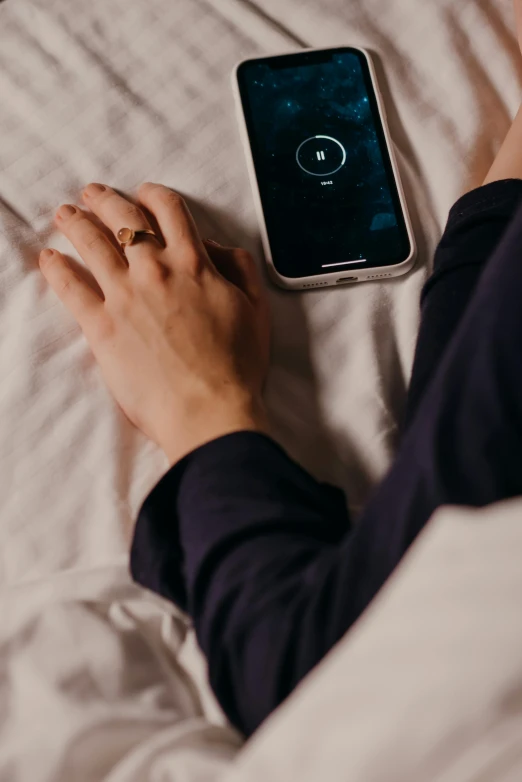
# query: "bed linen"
{"type": "Point", "coordinates": [426, 686]}
{"type": "Point", "coordinates": [124, 92]}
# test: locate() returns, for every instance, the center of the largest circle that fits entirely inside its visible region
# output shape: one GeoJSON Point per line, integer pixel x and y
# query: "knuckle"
{"type": "Point", "coordinates": [94, 241]}
{"type": "Point", "coordinates": [150, 187]}
{"type": "Point", "coordinates": [163, 193]}
{"type": "Point", "coordinates": [103, 328]}
{"type": "Point", "coordinates": [192, 262]}
{"type": "Point", "coordinates": [65, 286]}
{"type": "Point", "coordinates": [132, 211]}
{"type": "Point", "coordinates": [150, 273]}
{"type": "Point", "coordinates": [173, 198]}
{"type": "Point", "coordinates": [122, 299]}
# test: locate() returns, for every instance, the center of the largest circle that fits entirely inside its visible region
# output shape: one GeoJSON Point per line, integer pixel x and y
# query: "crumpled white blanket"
{"type": "Point", "coordinates": [125, 92]}
{"type": "Point", "coordinates": [94, 688]}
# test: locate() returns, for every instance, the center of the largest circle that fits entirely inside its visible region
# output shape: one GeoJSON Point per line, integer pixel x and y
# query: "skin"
{"type": "Point", "coordinates": [508, 163]}
{"type": "Point", "coordinates": [179, 327]}
{"type": "Point", "coordinates": [181, 330]}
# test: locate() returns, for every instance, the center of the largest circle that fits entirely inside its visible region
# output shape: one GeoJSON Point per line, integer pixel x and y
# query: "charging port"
{"type": "Point", "coordinates": [346, 279]}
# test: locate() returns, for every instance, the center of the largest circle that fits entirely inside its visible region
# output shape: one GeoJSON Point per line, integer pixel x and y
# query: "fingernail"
{"type": "Point", "coordinates": [66, 211]}
{"type": "Point", "coordinates": [212, 241]}
{"type": "Point", "coordinates": [94, 189]}
{"type": "Point", "coordinates": [46, 254]}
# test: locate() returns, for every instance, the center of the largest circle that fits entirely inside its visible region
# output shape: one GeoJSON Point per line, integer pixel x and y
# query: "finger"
{"type": "Point", "coordinates": [237, 266]}
{"type": "Point", "coordinates": [101, 256]}
{"type": "Point", "coordinates": [117, 212]}
{"type": "Point", "coordinates": [179, 231]}
{"type": "Point", "coordinates": [77, 295]}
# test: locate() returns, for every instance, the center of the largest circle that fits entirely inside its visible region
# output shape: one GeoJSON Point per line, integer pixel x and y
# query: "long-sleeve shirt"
{"type": "Point", "coordinates": [234, 535]}
{"type": "Point", "coordinates": [263, 557]}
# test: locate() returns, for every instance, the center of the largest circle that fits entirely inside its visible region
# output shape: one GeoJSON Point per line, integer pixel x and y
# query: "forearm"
{"type": "Point", "coordinates": [262, 557]}
{"type": "Point", "coordinates": [255, 533]}
{"type": "Point", "coordinates": [508, 162]}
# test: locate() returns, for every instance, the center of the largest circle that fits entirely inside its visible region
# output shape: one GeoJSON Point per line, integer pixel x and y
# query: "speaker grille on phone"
{"type": "Point", "coordinates": [346, 279]}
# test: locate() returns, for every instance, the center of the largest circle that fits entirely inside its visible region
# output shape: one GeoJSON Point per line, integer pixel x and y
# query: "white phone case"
{"type": "Point", "coordinates": [336, 277]}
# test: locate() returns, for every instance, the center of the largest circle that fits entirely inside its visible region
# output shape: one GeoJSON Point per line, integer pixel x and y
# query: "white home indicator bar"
{"type": "Point", "coordinates": [343, 263]}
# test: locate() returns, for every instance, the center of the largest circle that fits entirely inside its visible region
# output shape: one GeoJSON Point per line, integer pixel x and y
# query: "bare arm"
{"type": "Point", "coordinates": [508, 163]}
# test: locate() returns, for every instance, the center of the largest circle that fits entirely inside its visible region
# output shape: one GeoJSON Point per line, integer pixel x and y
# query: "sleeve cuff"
{"type": "Point", "coordinates": [156, 556]}
{"type": "Point", "coordinates": [501, 198]}
{"type": "Point", "coordinates": [221, 489]}
{"type": "Point", "coordinates": [476, 224]}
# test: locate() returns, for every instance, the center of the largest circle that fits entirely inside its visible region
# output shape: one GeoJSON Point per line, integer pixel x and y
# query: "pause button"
{"type": "Point", "coordinates": [321, 155]}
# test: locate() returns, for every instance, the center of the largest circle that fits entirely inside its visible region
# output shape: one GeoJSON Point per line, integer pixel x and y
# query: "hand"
{"type": "Point", "coordinates": [181, 333]}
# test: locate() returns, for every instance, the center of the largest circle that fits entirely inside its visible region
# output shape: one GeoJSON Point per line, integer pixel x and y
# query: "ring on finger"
{"type": "Point", "coordinates": [127, 236]}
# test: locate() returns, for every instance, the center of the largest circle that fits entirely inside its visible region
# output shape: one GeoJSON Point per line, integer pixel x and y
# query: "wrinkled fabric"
{"type": "Point", "coordinates": [121, 93]}
{"type": "Point", "coordinates": [264, 558]}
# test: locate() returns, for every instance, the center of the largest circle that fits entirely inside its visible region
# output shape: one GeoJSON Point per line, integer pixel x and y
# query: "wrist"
{"type": "Point", "coordinates": [217, 420]}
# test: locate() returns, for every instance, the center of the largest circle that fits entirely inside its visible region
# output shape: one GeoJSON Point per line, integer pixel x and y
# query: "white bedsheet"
{"type": "Point", "coordinates": [122, 92]}
{"type": "Point", "coordinates": [426, 686]}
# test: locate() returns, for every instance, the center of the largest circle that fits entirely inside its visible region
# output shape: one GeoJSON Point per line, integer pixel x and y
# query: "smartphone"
{"type": "Point", "coordinates": [329, 200]}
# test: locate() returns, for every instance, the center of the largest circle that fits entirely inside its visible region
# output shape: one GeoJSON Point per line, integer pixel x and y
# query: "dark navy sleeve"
{"type": "Point", "coordinates": [236, 535]}
{"type": "Point", "coordinates": [261, 555]}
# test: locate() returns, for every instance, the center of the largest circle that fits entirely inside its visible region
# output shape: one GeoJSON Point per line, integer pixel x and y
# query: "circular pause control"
{"type": "Point", "coordinates": [320, 155]}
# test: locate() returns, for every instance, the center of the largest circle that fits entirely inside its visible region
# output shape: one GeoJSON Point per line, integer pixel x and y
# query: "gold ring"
{"type": "Point", "coordinates": [126, 236]}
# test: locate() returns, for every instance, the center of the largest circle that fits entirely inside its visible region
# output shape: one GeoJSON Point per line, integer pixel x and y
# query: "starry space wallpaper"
{"type": "Point", "coordinates": [324, 173]}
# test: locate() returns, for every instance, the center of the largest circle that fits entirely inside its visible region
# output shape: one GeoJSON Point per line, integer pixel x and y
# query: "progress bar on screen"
{"type": "Point", "coordinates": [343, 263]}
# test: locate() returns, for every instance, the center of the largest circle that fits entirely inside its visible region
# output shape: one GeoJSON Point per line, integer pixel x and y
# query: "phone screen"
{"type": "Point", "coordinates": [325, 177]}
